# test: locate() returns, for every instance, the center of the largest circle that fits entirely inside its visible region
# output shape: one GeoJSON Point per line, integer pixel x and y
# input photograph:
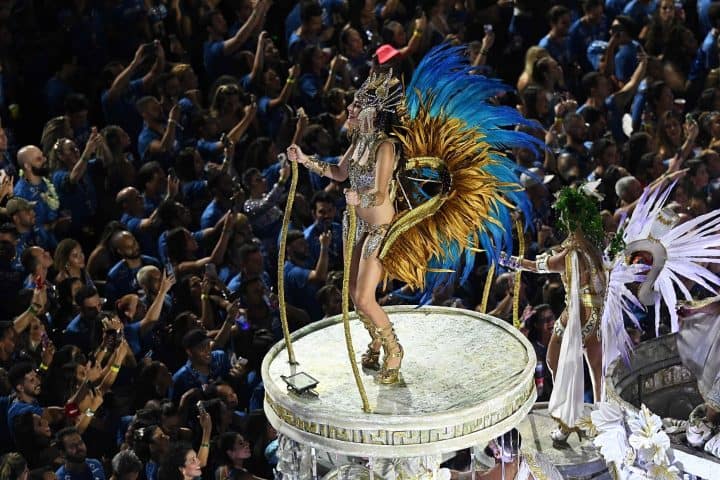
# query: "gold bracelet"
{"type": "Point", "coordinates": [314, 164]}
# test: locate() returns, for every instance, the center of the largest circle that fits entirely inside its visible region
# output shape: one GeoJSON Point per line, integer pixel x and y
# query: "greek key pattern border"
{"type": "Point", "coordinates": [388, 437]}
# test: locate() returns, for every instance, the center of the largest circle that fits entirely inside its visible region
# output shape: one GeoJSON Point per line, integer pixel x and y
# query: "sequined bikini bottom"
{"type": "Point", "coordinates": [587, 329]}
{"type": "Point", "coordinates": [375, 234]}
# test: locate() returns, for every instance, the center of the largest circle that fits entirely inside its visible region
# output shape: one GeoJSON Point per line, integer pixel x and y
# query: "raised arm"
{"type": "Point", "coordinates": [121, 82]}
{"type": "Point", "coordinates": [258, 61]}
{"type": "Point", "coordinates": [257, 18]}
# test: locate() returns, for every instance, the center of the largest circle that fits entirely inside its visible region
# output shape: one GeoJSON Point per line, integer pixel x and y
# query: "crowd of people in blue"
{"type": "Point", "coordinates": [143, 180]}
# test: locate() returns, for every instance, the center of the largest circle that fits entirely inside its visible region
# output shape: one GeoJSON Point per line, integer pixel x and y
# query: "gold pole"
{"type": "Point", "coordinates": [518, 274]}
{"type": "Point", "coordinates": [488, 286]}
{"type": "Point", "coordinates": [349, 245]}
{"type": "Point", "coordinates": [281, 264]}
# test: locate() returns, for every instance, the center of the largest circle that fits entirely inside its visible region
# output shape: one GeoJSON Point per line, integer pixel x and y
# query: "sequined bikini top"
{"type": "Point", "coordinates": [362, 176]}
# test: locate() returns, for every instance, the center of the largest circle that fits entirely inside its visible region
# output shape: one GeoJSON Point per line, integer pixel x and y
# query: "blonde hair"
{"type": "Point", "coordinates": [532, 55]}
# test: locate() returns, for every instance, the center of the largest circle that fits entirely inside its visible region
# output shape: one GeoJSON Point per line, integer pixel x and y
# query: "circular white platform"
{"type": "Point", "coordinates": [467, 378]}
{"type": "Point", "coordinates": [575, 459]}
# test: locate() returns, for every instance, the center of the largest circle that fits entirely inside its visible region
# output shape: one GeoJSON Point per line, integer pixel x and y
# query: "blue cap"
{"type": "Point", "coordinates": [595, 51]}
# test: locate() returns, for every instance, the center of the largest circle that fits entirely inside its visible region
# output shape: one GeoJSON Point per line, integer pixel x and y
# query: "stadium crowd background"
{"type": "Point", "coordinates": [143, 179]}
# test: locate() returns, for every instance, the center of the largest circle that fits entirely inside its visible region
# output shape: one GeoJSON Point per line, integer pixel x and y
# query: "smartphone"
{"type": "Point", "coordinates": [201, 407]}
{"type": "Point", "coordinates": [488, 28]}
{"type": "Point", "coordinates": [169, 270]}
{"type": "Point", "coordinates": [241, 322]}
{"type": "Point", "coordinates": [39, 282]}
{"type": "Point", "coordinates": [210, 270]}
{"type": "Point", "coordinates": [44, 340]}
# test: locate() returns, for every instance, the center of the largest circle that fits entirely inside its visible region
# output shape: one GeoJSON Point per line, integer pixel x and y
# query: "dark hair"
{"type": "Point", "coordinates": [590, 80]}
{"type": "Point", "coordinates": [323, 295]}
{"type": "Point", "coordinates": [8, 228]}
{"type": "Point", "coordinates": [23, 431]}
{"type": "Point", "coordinates": [185, 164]}
{"type": "Point", "coordinates": [85, 292]}
{"type": "Point", "coordinates": [714, 14]}
{"type": "Point", "coordinates": [306, 58]}
{"type": "Point", "coordinates": [247, 177]}
{"type": "Point", "coordinates": [246, 250]}
{"type": "Point", "coordinates": [256, 152]}
{"type": "Point", "coordinates": [654, 92]}
{"type": "Point", "coordinates": [65, 432]}
{"type": "Point", "coordinates": [146, 172]}
{"type": "Point", "coordinates": [176, 248]}
{"type": "Point", "coordinates": [556, 13]}
{"type": "Point", "coordinates": [142, 439]}
{"type": "Point", "coordinates": [174, 461]}
{"type": "Point", "coordinates": [592, 114]}
{"type": "Point", "coordinates": [532, 323]}
{"type": "Point", "coordinates": [321, 197]}
{"type": "Point", "coordinates": [294, 235]}
{"type": "Point", "coordinates": [310, 9]}
{"type": "Point", "coordinates": [29, 261]}
{"type": "Point", "coordinates": [226, 442]}
{"type": "Point", "coordinates": [529, 99]}
{"type": "Point", "coordinates": [17, 373]}
{"type": "Point", "coordinates": [125, 462]}
{"type": "Point", "coordinates": [589, 4]}
{"type": "Point", "coordinates": [599, 147]}
{"type": "Point", "coordinates": [5, 326]}
{"type": "Point", "coordinates": [628, 24]}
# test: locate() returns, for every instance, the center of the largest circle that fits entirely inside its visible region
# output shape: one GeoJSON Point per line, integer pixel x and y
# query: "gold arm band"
{"type": "Point", "coordinates": [314, 164]}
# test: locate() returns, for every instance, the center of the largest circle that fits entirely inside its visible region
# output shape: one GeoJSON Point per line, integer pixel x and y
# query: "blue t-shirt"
{"type": "Point", "coordinates": [211, 215]}
{"type": "Point", "coordinates": [37, 237]}
{"type": "Point", "coordinates": [626, 61]}
{"type": "Point", "coordinates": [583, 34]}
{"type": "Point", "coordinates": [146, 137]}
{"type": "Point", "coordinates": [43, 213]}
{"type": "Point", "coordinates": [148, 245]}
{"type": "Point", "coordinates": [310, 86]}
{"type": "Point", "coordinates": [703, 9]}
{"type": "Point", "coordinates": [80, 198]}
{"type": "Point", "coordinates": [187, 377]}
{"type": "Point", "coordinates": [236, 281]}
{"type": "Point", "coordinates": [271, 119]}
{"type": "Point", "coordinates": [640, 12]}
{"type": "Point", "coordinates": [301, 292]}
{"type": "Point", "coordinates": [312, 235]}
{"type": "Point", "coordinates": [18, 408]}
{"type": "Point", "coordinates": [559, 50]}
{"type": "Point", "coordinates": [706, 58]}
{"type": "Point", "coordinates": [78, 333]}
{"type": "Point", "coordinates": [210, 150]}
{"type": "Point", "coordinates": [613, 8]}
{"type": "Point", "coordinates": [162, 244]}
{"type": "Point", "coordinates": [122, 111]}
{"type": "Point", "coordinates": [215, 61]}
{"type": "Point", "coordinates": [121, 278]}
{"type": "Point", "coordinates": [94, 471]}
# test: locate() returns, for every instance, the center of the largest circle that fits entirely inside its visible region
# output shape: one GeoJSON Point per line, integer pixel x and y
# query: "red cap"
{"type": "Point", "coordinates": [385, 53]}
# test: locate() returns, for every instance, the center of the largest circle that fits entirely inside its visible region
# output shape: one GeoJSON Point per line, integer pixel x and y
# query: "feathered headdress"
{"type": "Point", "coordinates": [454, 140]}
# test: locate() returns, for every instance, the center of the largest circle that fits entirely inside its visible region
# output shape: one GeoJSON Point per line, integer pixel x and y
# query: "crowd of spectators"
{"type": "Point", "coordinates": [143, 180]}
